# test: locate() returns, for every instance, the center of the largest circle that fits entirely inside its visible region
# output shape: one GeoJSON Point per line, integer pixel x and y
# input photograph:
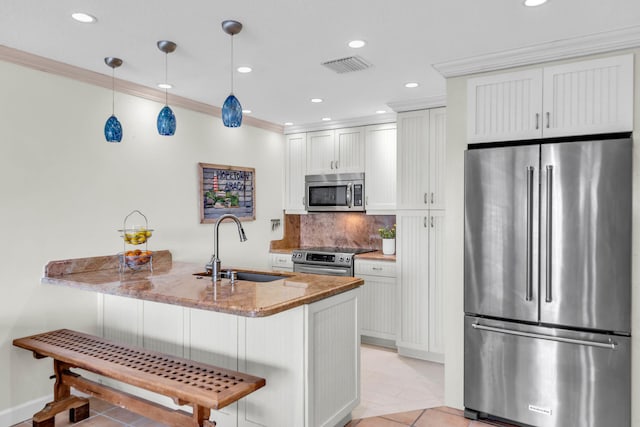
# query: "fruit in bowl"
{"type": "Point", "coordinates": [136, 258]}
{"type": "Point", "coordinates": [136, 236]}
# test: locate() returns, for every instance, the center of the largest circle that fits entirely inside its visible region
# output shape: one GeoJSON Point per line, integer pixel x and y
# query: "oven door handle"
{"type": "Point", "coordinates": [298, 268]}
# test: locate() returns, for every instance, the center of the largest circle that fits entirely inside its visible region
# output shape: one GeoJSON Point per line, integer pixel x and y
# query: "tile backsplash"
{"type": "Point", "coordinates": [333, 229]}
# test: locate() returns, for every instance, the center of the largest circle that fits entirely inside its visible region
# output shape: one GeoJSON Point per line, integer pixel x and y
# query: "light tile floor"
{"type": "Point", "coordinates": [391, 384]}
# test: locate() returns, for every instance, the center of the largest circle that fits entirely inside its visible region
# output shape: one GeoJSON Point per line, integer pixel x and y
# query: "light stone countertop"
{"type": "Point", "coordinates": [175, 283]}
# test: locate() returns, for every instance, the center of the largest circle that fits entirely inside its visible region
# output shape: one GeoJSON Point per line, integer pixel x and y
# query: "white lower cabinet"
{"type": "Point", "coordinates": [309, 355]}
{"type": "Point", "coordinates": [379, 303]}
{"type": "Point", "coordinates": [419, 256]}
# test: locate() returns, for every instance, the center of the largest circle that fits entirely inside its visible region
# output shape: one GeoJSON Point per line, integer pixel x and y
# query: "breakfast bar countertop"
{"type": "Point", "coordinates": [177, 283]}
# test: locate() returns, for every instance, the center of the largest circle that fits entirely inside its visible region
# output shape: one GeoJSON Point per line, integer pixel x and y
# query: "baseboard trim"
{"type": "Point", "coordinates": [421, 354]}
{"type": "Point", "coordinates": [23, 412]}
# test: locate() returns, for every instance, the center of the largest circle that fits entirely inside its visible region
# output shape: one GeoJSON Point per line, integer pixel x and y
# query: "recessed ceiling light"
{"type": "Point", "coordinates": [316, 100]}
{"type": "Point", "coordinates": [534, 2]}
{"type": "Point", "coordinates": [244, 70]}
{"type": "Point", "coordinates": [381, 111]}
{"type": "Point", "coordinates": [246, 111]}
{"type": "Point", "coordinates": [165, 85]}
{"type": "Point", "coordinates": [357, 44]}
{"type": "Point", "coordinates": [288, 123]}
{"type": "Point", "coordinates": [411, 84]}
{"type": "Point", "coordinates": [85, 18]}
{"type": "Point", "coordinates": [326, 119]}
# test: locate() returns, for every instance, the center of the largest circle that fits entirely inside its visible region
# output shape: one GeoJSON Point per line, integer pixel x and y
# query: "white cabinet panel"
{"type": "Point", "coordinates": [436, 284]}
{"type": "Point", "coordinates": [335, 151]}
{"type": "Point", "coordinates": [505, 106]}
{"type": "Point", "coordinates": [272, 347]}
{"type": "Point", "coordinates": [380, 168]}
{"type": "Point", "coordinates": [421, 148]}
{"type": "Point", "coordinates": [419, 240]}
{"type": "Point", "coordinates": [333, 386]}
{"type": "Point", "coordinates": [295, 170]}
{"type": "Point", "coordinates": [578, 98]}
{"type": "Point", "coordinates": [163, 328]}
{"type": "Point", "coordinates": [213, 338]}
{"type": "Point", "coordinates": [349, 150]}
{"type": "Point", "coordinates": [121, 319]}
{"type": "Point", "coordinates": [378, 307]}
{"type": "Point", "coordinates": [320, 155]}
{"type": "Point", "coordinates": [437, 148]}
{"type": "Point", "coordinates": [589, 97]}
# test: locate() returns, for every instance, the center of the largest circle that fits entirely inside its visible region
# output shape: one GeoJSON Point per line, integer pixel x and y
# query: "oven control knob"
{"type": "Point", "coordinates": [341, 259]}
{"type": "Point", "coordinates": [348, 259]}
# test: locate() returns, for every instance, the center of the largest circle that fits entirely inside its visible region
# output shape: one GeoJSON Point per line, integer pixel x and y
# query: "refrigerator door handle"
{"type": "Point", "coordinates": [549, 232]}
{"type": "Point", "coordinates": [529, 280]}
{"type": "Point", "coordinates": [610, 345]}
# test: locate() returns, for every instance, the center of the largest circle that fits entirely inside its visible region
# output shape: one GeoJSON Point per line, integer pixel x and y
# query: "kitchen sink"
{"type": "Point", "coordinates": [250, 276]}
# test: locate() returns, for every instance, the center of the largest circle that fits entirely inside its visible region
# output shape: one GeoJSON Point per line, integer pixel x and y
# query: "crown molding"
{"type": "Point", "coordinates": [340, 124]}
{"type": "Point", "coordinates": [46, 65]}
{"type": "Point", "coordinates": [418, 104]}
{"type": "Point", "coordinates": [603, 42]}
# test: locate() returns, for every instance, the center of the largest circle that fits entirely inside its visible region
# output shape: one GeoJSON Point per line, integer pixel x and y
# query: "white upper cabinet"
{"type": "Point", "coordinates": [420, 159]}
{"type": "Point", "coordinates": [295, 170]}
{"type": "Point", "coordinates": [380, 169]}
{"type": "Point", "coordinates": [588, 97]}
{"type": "Point", "coordinates": [505, 106]}
{"type": "Point", "coordinates": [335, 151]}
{"type": "Point", "coordinates": [578, 98]}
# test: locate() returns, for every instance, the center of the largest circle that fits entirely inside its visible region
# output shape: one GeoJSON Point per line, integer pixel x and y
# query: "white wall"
{"type": "Point", "coordinates": [64, 192]}
{"type": "Point", "coordinates": [456, 144]}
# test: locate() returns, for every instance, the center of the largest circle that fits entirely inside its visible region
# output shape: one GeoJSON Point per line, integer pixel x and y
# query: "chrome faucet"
{"type": "Point", "coordinates": [215, 263]}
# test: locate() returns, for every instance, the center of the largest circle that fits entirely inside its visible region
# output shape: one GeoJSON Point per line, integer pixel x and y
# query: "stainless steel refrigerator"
{"type": "Point", "coordinates": [548, 283]}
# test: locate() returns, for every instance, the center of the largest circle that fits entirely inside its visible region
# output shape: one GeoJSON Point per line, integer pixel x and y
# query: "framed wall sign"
{"type": "Point", "coordinates": [226, 189]}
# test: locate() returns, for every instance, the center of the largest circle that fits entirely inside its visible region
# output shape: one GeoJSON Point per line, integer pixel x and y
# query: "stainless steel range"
{"type": "Point", "coordinates": [326, 260]}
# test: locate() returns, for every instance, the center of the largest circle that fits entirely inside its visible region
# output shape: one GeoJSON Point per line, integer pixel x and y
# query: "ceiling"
{"type": "Point", "coordinates": [285, 42]}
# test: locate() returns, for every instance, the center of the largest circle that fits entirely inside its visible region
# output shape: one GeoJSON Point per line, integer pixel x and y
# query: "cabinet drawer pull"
{"type": "Point", "coordinates": [376, 268]}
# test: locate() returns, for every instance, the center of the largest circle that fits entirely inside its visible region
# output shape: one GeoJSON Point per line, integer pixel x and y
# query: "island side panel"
{"type": "Point", "coordinates": [333, 359]}
{"type": "Point", "coordinates": [272, 347]}
{"type": "Point", "coordinates": [212, 337]}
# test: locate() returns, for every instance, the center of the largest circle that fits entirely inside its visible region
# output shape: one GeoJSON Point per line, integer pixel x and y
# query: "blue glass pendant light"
{"type": "Point", "coordinates": [231, 109]}
{"type": "Point", "coordinates": [166, 122]}
{"type": "Point", "coordinates": [113, 128]}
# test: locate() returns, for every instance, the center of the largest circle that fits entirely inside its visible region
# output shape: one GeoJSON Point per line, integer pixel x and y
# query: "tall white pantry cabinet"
{"type": "Point", "coordinates": [420, 158]}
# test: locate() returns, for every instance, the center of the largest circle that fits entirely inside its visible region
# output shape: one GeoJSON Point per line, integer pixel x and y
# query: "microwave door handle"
{"type": "Point", "coordinates": [349, 198]}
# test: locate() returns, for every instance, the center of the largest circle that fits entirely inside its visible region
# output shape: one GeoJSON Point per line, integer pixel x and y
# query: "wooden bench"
{"type": "Point", "coordinates": [203, 387]}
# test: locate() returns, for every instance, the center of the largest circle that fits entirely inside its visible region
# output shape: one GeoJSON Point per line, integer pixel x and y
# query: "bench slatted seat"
{"type": "Point", "coordinates": [202, 386]}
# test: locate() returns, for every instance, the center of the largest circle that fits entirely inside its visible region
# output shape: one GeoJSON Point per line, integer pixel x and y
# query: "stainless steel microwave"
{"type": "Point", "coordinates": [334, 192]}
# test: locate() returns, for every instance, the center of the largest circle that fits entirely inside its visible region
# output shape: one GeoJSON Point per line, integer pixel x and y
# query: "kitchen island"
{"type": "Point", "coordinates": [300, 332]}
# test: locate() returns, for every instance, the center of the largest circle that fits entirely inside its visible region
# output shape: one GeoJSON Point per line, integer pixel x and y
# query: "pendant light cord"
{"type": "Point", "coordinates": [166, 74]}
{"type": "Point", "coordinates": [232, 64]}
{"type": "Point", "coordinates": [113, 91]}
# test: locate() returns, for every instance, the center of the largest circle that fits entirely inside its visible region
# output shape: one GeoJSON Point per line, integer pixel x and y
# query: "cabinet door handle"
{"type": "Point", "coordinates": [336, 164]}
{"type": "Point", "coordinates": [548, 120]}
{"type": "Point", "coordinates": [366, 200]}
{"type": "Point", "coordinates": [425, 222]}
{"type": "Point", "coordinates": [432, 197]}
{"type": "Point", "coordinates": [537, 121]}
{"type": "Point", "coordinates": [431, 222]}
{"type": "Point", "coordinates": [331, 164]}
{"type": "Point", "coordinates": [425, 199]}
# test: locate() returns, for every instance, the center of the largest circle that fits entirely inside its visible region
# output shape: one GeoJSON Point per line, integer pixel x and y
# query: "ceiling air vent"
{"type": "Point", "coordinates": [347, 65]}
